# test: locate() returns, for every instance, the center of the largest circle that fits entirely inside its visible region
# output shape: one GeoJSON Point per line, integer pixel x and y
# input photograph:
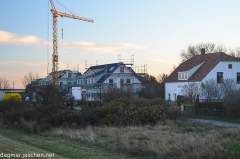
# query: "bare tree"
{"type": "Point", "coordinates": [191, 91]}
{"type": "Point", "coordinates": [234, 53]}
{"type": "Point", "coordinates": [162, 77]}
{"type": "Point", "coordinates": [193, 50]}
{"type": "Point", "coordinates": [1, 82]}
{"type": "Point", "coordinates": [211, 90]}
{"type": "Point", "coordinates": [4, 83]}
{"type": "Point", "coordinates": [27, 83]}
{"type": "Point", "coordinates": [229, 85]}
{"type": "Point", "coordinates": [27, 79]}
{"type": "Point", "coordinates": [174, 67]}
{"type": "Point", "coordinates": [220, 48]}
{"type": "Point", "coordinates": [237, 52]}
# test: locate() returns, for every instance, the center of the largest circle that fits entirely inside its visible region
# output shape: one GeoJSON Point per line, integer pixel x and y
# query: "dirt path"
{"type": "Point", "coordinates": [217, 123]}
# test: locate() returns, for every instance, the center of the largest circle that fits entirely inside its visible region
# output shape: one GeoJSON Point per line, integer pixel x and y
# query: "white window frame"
{"type": "Point", "coordinates": [182, 75]}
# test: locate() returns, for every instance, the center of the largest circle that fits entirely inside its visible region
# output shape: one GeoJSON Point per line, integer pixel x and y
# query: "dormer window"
{"type": "Point", "coordinates": [182, 75]}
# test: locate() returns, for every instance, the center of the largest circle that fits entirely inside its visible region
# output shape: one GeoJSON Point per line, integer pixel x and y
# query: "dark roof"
{"type": "Point", "coordinates": [100, 69]}
{"type": "Point", "coordinates": [211, 60]}
{"type": "Point", "coordinates": [63, 72]}
{"type": "Point", "coordinates": [106, 70]}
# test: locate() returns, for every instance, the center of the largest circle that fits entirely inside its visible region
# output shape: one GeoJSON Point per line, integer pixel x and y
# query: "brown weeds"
{"type": "Point", "coordinates": [164, 140]}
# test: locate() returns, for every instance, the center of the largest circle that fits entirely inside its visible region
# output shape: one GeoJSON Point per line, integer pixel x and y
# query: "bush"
{"type": "Point", "coordinates": [49, 95]}
{"type": "Point", "coordinates": [66, 117]}
{"type": "Point", "coordinates": [232, 104]}
{"type": "Point", "coordinates": [121, 113]}
{"type": "Point", "coordinates": [28, 117]}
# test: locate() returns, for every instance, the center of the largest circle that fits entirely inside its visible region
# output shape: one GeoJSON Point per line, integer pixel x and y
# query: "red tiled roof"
{"type": "Point", "coordinates": [211, 60]}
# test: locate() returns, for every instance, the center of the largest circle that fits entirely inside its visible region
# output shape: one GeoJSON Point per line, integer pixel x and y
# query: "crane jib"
{"type": "Point", "coordinates": [56, 13]}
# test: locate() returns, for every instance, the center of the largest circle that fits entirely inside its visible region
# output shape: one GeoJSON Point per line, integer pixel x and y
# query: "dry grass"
{"type": "Point", "coordinates": [164, 140]}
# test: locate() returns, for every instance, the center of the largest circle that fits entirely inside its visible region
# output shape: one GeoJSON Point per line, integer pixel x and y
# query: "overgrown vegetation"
{"type": "Point", "coordinates": [53, 113]}
{"type": "Point", "coordinates": [153, 87]}
{"type": "Point", "coordinates": [211, 98]}
{"type": "Point", "coordinates": [232, 104]}
{"type": "Point", "coordinates": [167, 139]}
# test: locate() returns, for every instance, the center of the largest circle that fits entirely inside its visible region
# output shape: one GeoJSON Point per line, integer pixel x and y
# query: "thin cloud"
{"type": "Point", "coordinates": [13, 39]}
{"type": "Point", "coordinates": [113, 49]}
{"type": "Point", "coordinates": [10, 38]}
{"type": "Point", "coordinates": [8, 74]}
{"type": "Point", "coordinates": [23, 63]}
{"type": "Point", "coordinates": [157, 61]}
{"type": "Point", "coordinates": [154, 52]}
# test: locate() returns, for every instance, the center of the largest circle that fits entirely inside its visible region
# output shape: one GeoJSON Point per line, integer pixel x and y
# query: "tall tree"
{"type": "Point", "coordinates": [27, 83]}
{"type": "Point", "coordinates": [153, 87]}
{"type": "Point", "coordinates": [193, 50]}
{"type": "Point", "coordinates": [4, 83]}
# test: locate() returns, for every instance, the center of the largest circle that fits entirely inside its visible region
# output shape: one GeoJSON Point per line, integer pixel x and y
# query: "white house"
{"type": "Point", "coordinates": [97, 79]}
{"type": "Point", "coordinates": [199, 68]}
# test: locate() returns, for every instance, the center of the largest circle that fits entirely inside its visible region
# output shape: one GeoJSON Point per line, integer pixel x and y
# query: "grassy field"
{"type": "Point", "coordinates": [16, 142]}
{"type": "Point", "coordinates": [180, 139]}
{"type": "Point", "coordinates": [169, 139]}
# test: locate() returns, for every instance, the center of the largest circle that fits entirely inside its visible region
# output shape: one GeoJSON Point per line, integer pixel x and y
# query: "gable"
{"type": "Point", "coordinates": [203, 65]}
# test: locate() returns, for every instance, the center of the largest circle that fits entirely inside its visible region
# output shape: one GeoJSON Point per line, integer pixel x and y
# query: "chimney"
{"type": "Point", "coordinates": [202, 51]}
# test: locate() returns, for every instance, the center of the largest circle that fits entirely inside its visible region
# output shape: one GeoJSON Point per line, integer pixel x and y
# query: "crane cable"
{"type": "Point", "coordinates": [48, 38]}
{"type": "Point", "coordinates": [66, 7]}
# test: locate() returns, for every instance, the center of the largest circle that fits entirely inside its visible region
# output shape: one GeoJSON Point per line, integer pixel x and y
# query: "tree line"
{"type": "Point", "coordinates": [210, 47]}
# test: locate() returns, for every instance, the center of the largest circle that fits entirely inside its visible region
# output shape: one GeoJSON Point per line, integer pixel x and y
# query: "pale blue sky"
{"type": "Point", "coordinates": [155, 31]}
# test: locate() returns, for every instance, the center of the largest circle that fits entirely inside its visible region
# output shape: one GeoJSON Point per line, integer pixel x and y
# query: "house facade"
{"type": "Point", "coordinates": [97, 79]}
{"type": "Point", "coordinates": [67, 78]}
{"type": "Point", "coordinates": [201, 68]}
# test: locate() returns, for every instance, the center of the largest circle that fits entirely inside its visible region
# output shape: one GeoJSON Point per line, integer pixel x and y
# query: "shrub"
{"type": "Point", "coordinates": [91, 117]}
{"type": "Point", "coordinates": [232, 104]}
{"type": "Point", "coordinates": [49, 94]}
{"type": "Point", "coordinates": [121, 113]}
{"type": "Point", "coordinates": [66, 116]}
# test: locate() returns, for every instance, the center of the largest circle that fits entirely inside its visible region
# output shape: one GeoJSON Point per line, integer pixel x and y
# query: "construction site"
{"type": "Point", "coordinates": [96, 79]}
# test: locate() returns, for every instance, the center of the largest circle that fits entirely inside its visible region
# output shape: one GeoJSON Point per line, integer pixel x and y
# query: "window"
{"type": "Point", "coordinates": [61, 83]}
{"type": "Point", "coordinates": [175, 96]}
{"type": "Point", "coordinates": [229, 66]}
{"type": "Point", "coordinates": [182, 75]}
{"type": "Point", "coordinates": [121, 69]}
{"type": "Point", "coordinates": [185, 75]}
{"type": "Point", "coordinates": [111, 68]}
{"type": "Point", "coordinates": [169, 96]}
{"type": "Point", "coordinates": [219, 77]}
{"type": "Point", "coordinates": [69, 74]}
{"type": "Point", "coordinates": [238, 77]}
{"type": "Point", "coordinates": [179, 76]}
{"type": "Point", "coordinates": [128, 81]}
{"type": "Point", "coordinates": [122, 81]}
{"type": "Point", "coordinates": [111, 82]}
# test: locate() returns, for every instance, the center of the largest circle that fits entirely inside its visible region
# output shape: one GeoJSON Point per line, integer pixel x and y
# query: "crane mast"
{"type": "Point", "coordinates": [55, 14]}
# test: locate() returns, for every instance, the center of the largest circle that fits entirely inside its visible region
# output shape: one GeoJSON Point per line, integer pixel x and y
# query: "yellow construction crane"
{"type": "Point", "coordinates": [55, 38]}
